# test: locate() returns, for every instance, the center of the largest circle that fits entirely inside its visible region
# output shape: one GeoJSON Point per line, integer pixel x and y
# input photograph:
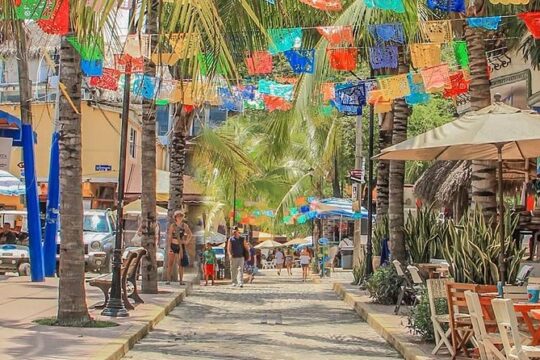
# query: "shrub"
{"type": "Point", "coordinates": [419, 319]}
{"type": "Point", "coordinates": [380, 232]}
{"type": "Point", "coordinates": [384, 285]}
{"type": "Point", "coordinates": [422, 235]}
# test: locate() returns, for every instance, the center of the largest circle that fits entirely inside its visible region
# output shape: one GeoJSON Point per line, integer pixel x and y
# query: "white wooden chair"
{"type": "Point", "coordinates": [523, 274]}
{"type": "Point", "coordinates": [515, 293]}
{"type": "Point", "coordinates": [508, 328]}
{"type": "Point", "coordinates": [405, 286]}
{"type": "Point", "coordinates": [436, 290]}
{"type": "Point", "coordinates": [418, 283]}
{"type": "Point", "coordinates": [485, 341]}
{"type": "Point", "coordinates": [268, 264]}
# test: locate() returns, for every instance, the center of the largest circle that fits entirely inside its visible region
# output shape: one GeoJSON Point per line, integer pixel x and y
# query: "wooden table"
{"type": "Point", "coordinates": [433, 269]}
{"type": "Point", "coordinates": [528, 311]}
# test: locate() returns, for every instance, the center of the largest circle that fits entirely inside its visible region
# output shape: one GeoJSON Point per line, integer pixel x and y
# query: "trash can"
{"type": "Point", "coordinates": [347, 257]}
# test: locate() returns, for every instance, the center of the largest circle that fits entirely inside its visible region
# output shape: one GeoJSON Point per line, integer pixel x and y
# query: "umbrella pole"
{"type": "Point", "coordinates": [502, 254]}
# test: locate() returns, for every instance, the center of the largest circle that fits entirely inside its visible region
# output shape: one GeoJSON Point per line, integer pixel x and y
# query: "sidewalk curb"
{"type": "Point", "coordinates": [119, 347]}
{"type": "Point", "coordinates": [385, 325]}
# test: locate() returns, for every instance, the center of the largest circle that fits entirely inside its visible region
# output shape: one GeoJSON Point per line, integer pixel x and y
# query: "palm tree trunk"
{"type": "Point", "coordinates": [148, 161]}
{"type": "Point", "coordinates": [484, 182]}
{"type": "Point", "coordinates": [396, 216]}
{"type": "Point", "coordinates": [72, 308]}
{"type": "Point", "coordinates": [177, 164]}
{"type": "Point", "coordinates": [383, 169]}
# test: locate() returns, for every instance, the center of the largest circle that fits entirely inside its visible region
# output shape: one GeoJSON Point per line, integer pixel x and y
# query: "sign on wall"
{"type": "Point", "coordinates": [5, 152]}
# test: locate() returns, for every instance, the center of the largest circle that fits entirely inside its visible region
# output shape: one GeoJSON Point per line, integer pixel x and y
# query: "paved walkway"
{"type": "Point", "coordinates": [223, 322]}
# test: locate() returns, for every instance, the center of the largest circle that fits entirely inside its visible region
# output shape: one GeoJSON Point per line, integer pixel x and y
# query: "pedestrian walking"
{"type": "Point", "coordinates": [251, 264]}
{"type": "Point", "coordinates": [209, 258]}
{"type": "Point", "coordinates": [237, 249]}
{"type": "Point", "coordinates": [178, 236]}
{"type": "Point", "coordinates": [305, 259]}
{"type": "Point", "coordinates": [280, 259]}
{"type": "Point", "coordinates": [289, 259]}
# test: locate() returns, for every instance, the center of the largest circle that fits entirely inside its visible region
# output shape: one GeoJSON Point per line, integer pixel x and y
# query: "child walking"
{"type": "Point", "coordinates": [209, 256]}
{"type": "Point", "coordinates": [305, 259]}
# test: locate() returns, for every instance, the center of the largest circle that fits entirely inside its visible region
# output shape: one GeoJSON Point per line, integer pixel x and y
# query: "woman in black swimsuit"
{"type": "Point", "coordinates": [178, 236]}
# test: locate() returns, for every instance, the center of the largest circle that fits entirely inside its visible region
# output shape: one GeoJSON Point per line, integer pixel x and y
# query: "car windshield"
{"type": "Point", "coordinates": [96, 223]}
{"type": "Point", "coordinates": [219, 250]}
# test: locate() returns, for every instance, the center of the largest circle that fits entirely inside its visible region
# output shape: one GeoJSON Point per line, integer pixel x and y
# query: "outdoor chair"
{"type": "Point", "coordinates": [405, 286]}
{"type": "Point", "coordinates": [460, 321]}
{"type": "Point", "coordinates": [128, 280]}
{"type": "Point", "coordinates": [516, 293]}
{"type": "Point", "coordinates": [436, 291]}
{"type": "Point", "coordinates": [486, 342]}
{"type": "Point", "coordinates": [418, 283]}
{"type": "Point", "coordinates": [508, 329]}
{"type": "Point", "coordinates": [523, 274]}
{"type": "Point", "coordinates": [268, 264]}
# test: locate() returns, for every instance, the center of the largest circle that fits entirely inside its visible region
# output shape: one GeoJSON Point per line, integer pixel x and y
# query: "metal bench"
{"type": "Point", "coordinates": [128, 276]}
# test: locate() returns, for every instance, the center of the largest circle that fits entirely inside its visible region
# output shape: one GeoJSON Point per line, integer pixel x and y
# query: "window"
{"type": "Point", "coordinates": [132, 142]}
{"type": "Point", "coordinates": [162, 120]}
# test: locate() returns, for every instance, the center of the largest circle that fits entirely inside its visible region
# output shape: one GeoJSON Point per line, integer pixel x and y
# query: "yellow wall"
{"type": "Point", "coordinates": [100, 141]}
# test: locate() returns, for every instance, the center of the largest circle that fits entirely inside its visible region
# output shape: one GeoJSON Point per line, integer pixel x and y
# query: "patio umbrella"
{"type": "Point", "coordinates": [268, 244]}
{"type": "Point", "coordinates": [497, 132]}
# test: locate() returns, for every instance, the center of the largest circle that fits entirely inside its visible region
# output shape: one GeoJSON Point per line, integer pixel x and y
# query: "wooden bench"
{"type": "Point", "coordinates": [128, 278]}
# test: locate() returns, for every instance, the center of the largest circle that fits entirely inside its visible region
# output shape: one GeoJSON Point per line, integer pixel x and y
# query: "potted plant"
{"type": "Point", "coordinates": [380, 233]}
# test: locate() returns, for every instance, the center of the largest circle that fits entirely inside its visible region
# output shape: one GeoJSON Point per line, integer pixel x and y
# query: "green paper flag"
{"type": "Point", "coordinates": [208, 63]}
{"type": "Point", "coordinates": [461, 53]}
{"type": "Point", "coordinates": [326, 110]}
{"type": "Point", "coordinates": [239, 204]}
{"type": "Point", "coordinates": [91, 50]}
{"type": "Point", "coordinates": [35, 9]}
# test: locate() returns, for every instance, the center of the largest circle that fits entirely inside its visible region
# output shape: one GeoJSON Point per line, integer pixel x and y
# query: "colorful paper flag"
{"type": "Point", "coordinates": [328, 91]}
{"type": "Point", "coordinates": [438, 31]}
{"type": "Point", "coordinates": [343, 59]}
{"type": "Point", "coordinates": [301, 61]}
{"type": "Point", "coordinates": [107, 81]}
{"type": "Point", "coordinates": [395, 87]}
{"type": "Point", "coordinates": [275, 89]}
{"type": "Point", "coordinates": [418, 93]}
{"type": "Point", "coordinates": [284, 39]}
{"type": "Point", "coordinates": [380, 101]}
{"type": "Point", "coordinates": [390, 32]}
{"type": "Point", "coordinates": [510, 2]}
{"type": "Point", "coordinates": [447, 5]}
{"type": "Point", "coordinates": [435, 78]}
{"type": "Point", "coordinates": [185, 45]}
{"type": "Point", "coordinates": [128, 65]}
{"type": "Point", "coordinates": [91, 49]}
{"type": "Point", "coordinates": [425, 55]}
{"type": "Point", "coordinates": [165, 58]}
{"type": "Point", "coordinates": [461, 53]}
{"type": "Point", "coordinates": [326, 5]}
{"type": "Point", "coordinates": [350, 98]}
{"type": "Point", "coordinates": [532, 20]}
{"type": "Point", "coordinates": [260, 62]}
{"type": "Point", "coordinates": [393, 5]}
{"type": "Point", "coordinates": [92, 67]}
{"type": "Point", "coordinates": [138, 45]}
{"type": "Point", "coordinates": [274, 103]}
{"type": "Point", "coordinates": [208, 64]}
{"type": "Point", "coordinates": [459, 84]}
{"type": "Point", "coordinates": [144, 86]}
{"type": "Point", "coordinates": [381, 57]}
{"type": "Point", "coordinates": [58, 23]}
{"type": "Point", "coordinates": [336, 35]}
{"type": "Point", "coordinates": [488, 22]}
{"type": "Point", "coordinates": [34, 9]}
{"type": "Point", "coordinates": [230, 100]}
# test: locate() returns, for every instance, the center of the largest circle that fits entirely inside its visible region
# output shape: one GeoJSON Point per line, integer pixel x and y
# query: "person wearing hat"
{"type": "Point", "coordinates": [178, 236]}
{"type": "Point", "coordinates": [237, 248]}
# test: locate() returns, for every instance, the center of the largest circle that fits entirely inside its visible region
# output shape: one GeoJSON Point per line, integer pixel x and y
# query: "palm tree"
{"type": "Point", "coordinates": [72, 307]}
{"type": "Point", "coordinates": [383, 168]}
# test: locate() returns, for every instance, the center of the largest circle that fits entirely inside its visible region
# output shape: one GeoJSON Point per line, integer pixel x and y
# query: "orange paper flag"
{"type": "Point", "coordinates": [326, 5]}
{"type": "Point", "coordinates": [328, 91]}
{"type": "Point", "coordinates": [337, 34]}
{"type": "Point", "coordinates": [395, 87]}
{"type": "Point", "coordinates": [435, 78]}
{"type": "Point", "coordinates": [425, 55]}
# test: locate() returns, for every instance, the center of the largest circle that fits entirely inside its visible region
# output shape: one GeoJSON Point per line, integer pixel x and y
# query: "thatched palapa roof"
{"type": "Point", "coordinates": [444, 181]}
{"type": "Point", "coordinates": [38, 41]}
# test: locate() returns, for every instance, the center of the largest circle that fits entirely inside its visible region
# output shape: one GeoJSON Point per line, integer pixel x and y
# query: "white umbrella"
{"type": "Point", "coordinates": [497, 132]}
{"type": "Point", "coordinates": [268, 244]}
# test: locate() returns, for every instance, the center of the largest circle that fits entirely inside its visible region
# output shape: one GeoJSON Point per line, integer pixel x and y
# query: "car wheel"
{"type": "Point", "coordinates": [24, 269]}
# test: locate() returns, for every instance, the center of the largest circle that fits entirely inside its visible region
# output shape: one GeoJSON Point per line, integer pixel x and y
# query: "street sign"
{"type": "Point", "coordinates": [103, 167]}
{"type": "Point", "coordinates": [356, 173]}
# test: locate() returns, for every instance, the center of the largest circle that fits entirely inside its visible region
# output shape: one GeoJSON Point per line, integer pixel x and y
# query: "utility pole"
{"type": "Point", "coordinates": [357, 194]}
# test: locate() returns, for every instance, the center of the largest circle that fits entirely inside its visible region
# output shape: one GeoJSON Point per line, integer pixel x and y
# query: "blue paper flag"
{"type": "Point", "coordinates": [393, 5]}
{"type": "Point", "coordinates": [284, 39]}
{"type": "Point", "coordinates": [447, 5]}
{"type": "Point", "coordinates": [273, 88]}
{"type": "Point", "coordinates": [381, 57]}
{"type": "Point", "coordinates": [387, 32]}
{"type": "Point", "coordinates": [92, 67]}
{"type": "Point", "coordinates": [301, 61]}
{"type": "Point", "coordinates": [490, 23]}
{"type": "Point", "coordinates": [144, 86]}
{"type": "Point", "coordinates": [350, 98]}
{"type": "Point", "coordinates": [418, 93]}
{"type": "Point", "coordinates": [230, 101]}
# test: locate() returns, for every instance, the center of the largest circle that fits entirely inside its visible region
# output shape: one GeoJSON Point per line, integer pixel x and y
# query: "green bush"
{"type": "Point", "coordinates": [422, 235]}
{"type": "Point", "coordinates": [419, 319]}
{"type": "Point", "coordinates": [384, 285]}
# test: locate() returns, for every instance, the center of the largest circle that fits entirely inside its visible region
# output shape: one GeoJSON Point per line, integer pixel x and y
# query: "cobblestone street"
{"type": "Point", "coordinates": [276, 317]}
